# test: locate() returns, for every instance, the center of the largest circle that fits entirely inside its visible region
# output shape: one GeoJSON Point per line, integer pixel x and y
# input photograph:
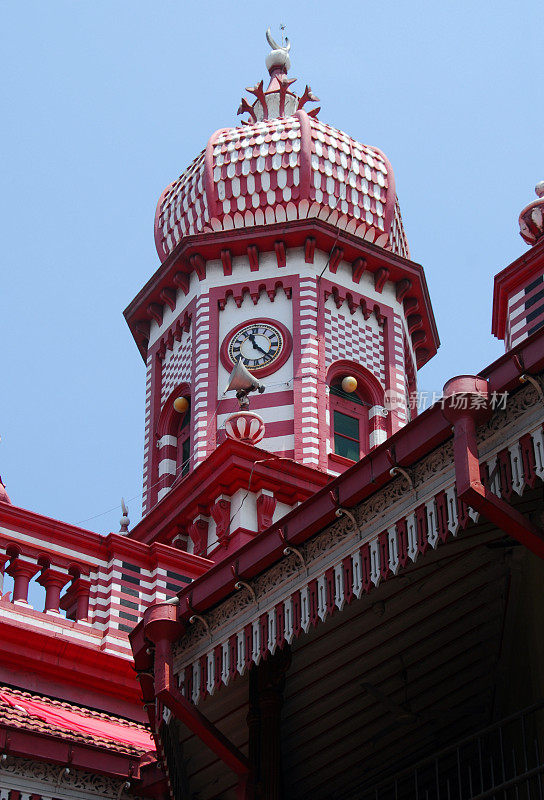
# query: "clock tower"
{"type": "Point", "coordinates": [281, 245]}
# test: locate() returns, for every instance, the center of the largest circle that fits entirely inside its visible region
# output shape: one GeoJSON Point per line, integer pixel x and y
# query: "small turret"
{"type": "Point", "coordinates": [518, 298]}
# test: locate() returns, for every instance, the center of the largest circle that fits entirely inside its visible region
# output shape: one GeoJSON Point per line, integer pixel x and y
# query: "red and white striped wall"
{"type": "Point", "coordinates": [525, 312]}
{"type": "Point", "coordinates": [308, 443]}
{"type": "Point", "coordinates": [203, 356]}
{"type": "Point", "coordinates": [333, 311]}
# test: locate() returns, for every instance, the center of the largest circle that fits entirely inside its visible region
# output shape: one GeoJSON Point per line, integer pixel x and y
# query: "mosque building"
{"type": "Point", "coordinates": [329, 595]}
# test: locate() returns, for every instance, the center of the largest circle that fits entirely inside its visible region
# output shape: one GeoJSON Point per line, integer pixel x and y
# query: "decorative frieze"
{"type": "Point", "coordinates": [36, 778]}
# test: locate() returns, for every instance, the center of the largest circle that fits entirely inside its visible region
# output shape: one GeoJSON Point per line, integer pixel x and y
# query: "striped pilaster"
{"type": "Point", "coordinates": [167, 446]}
{"type": "Point", "coordinates": [399, 416]}
{"type": "Point", "coordinates": [201, 379]}
{"type": "Point", "coordinates": [378, 426]}
{"type": "Point", "coordinates": [147, 439]}
{"type": "Point", "coordinates": [308, 426]}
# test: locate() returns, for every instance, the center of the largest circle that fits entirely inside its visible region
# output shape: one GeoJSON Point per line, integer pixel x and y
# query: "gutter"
{"type": "Point", "coordinates": [161, 627]}
{"type": "Point", "coordinates": [466, 404]}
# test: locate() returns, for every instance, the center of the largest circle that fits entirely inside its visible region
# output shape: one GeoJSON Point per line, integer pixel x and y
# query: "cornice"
{"type": "Point", "coordinates": [193, 251]}
{"type": "Point", "coordinates": [225, 471]}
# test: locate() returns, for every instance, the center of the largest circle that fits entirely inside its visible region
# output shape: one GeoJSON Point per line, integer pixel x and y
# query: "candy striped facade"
{"type": "Point", "coordinates": [337, 311]}
{"type": "Point", "coordinates": [309, 607]}
{"type": "Point", "coordinates": [106, 582]}
{"type": "Point", "coordinates": [286, 221]}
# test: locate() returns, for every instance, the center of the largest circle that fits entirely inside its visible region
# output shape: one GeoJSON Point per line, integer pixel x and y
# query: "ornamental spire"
{"type": "Point", "coordinates": [531, 219]}
{"type": "Point", "coordinates": [277, 100]}
{"type": "Point", "coordinates": [278, 58]}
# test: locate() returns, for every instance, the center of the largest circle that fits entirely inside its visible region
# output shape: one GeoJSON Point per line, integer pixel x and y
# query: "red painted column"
{"type": "Point", "coordinates": [77, 598]}
{"type": "Point", "coordinates": [21, 571]}
{"type": "Point", "coordinates": [54, 581]}
{"type": "Point", "coordinates": [82, 590]}
{"type": "Point", "coordinates": [3, 561]}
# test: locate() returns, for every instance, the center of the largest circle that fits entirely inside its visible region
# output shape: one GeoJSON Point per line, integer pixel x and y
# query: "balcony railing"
{"type": "Point", "coordinates": [101, 582]}
{"type": "Point", "coordinates": [502, 762]}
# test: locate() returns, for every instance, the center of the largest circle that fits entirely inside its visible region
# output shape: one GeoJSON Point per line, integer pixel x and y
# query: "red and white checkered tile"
{"type": "Point", "coordinates": [176, 365]}
{"type": "Point", "coordinates": [356, 340]}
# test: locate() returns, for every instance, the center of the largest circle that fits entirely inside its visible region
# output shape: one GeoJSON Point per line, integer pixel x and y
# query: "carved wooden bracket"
{"type": "Point", "coordinates": [168, 296]}
{"type": "Point", "coordinates": [253, 255]}
{"type": "Point", "coordinates": [380, 277]}
{"type": "Point", "coordinates": [226, 260]}
{"type": "Point", "coordinates": [155, 311]}
{"type": "Point", "coordinates": [198, 531]}
{"type": "Point", "coordinates": [266, 505]}
{"type": "Point", "coordinates": [357, 269]}
{"type": "Point", "coordinates": [279, 247]}
{"type": "Point", "coordinates": [220, 511]}
{"type": "Point", "coordinates": [309, 250]}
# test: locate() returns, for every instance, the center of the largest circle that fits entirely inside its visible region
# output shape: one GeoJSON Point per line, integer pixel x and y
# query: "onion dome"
{"type": "Point", "coordinates": [531, 219]}
{"type": "Point", "coordinates": [282, 164]}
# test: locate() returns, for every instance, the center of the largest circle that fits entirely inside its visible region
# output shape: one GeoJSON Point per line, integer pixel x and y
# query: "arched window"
{"type": "Point", "coordinates": [349, 422]}
{"type": "Point", "coordinates": [183, 456]}
{"type": "Point", "coordinates": [173, 436]}
{"type": "Point", "coordinates": [357, 420]}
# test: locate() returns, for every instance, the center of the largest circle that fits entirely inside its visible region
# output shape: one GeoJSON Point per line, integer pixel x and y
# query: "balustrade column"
{"type": "Point", "coordinates": [21, 571]}
{"type": "Point", "coordinates": [3, 561]}
{"type": "Point", "coordinates": [76, 600]}
{"type": "Point", "coordinates": [54, 581]}
{"type": "Point", "coordinates": [83, 589]}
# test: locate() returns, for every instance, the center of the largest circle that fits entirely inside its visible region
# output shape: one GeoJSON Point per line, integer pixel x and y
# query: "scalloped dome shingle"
{"type": "Point", "coordinates": [283, 164]}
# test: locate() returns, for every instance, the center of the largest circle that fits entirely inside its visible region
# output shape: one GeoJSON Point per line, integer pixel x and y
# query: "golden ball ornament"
{"type": "Point", "coordinates": [181, 404]}
{"type": "Point", "coordinates": [349, 384]}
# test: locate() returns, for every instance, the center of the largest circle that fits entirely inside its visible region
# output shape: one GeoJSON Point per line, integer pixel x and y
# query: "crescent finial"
{"type": "Point", "coordinates": [274, 45]}
{"type": "Point", "coordinates": [270, 40]}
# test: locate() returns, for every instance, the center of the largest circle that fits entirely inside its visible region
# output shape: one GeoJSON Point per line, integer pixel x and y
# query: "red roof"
{"type": "Point", "coordinates": [46, 716]}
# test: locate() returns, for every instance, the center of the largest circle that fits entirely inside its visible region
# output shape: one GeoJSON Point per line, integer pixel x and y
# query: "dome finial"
{"type": "Point", "coordinates": [125, 522]}
{"type": "Point", "coordinates": [278, 58]}
{"type": "Point", "coordinates": [531, 219]}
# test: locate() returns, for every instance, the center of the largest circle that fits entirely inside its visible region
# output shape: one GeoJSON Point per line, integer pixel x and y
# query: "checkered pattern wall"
{"type": "Point", "coordinates": [176, 366]}
{"type": "Point", "coordinates": [355, 339]}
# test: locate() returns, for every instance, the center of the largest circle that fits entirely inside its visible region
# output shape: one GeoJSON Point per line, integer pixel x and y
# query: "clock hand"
{"type": "Point", "coordinates": [251, 338]}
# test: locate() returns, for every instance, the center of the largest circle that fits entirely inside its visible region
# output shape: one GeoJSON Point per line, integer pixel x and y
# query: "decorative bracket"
{"type": "Point", "coordinates": [194, 617]}
{"type": "Point", "coordinates": [340, 511]}
{"type": "Point", "coordinates": [4, 757]}
{"type": "Point", "coordinates": [123, 788]}
{"type": "Point", "coordinates": [240, 584]}
{"type": "Point", "coordinates": [525, 378]}
{"type": "Point", "coordinates": [343, 512]}
{"type": "Point", "coordinates": [396, 469]}
{"type": "Point", "coordinates": [290, 548]}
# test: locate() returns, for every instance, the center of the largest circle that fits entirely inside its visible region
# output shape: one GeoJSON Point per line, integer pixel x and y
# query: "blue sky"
{"type": "Point", "coordinates": [106, 101]}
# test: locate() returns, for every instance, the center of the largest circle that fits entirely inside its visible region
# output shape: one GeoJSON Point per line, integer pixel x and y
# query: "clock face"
{"type": "Point", "coordinates": [260, 345]}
